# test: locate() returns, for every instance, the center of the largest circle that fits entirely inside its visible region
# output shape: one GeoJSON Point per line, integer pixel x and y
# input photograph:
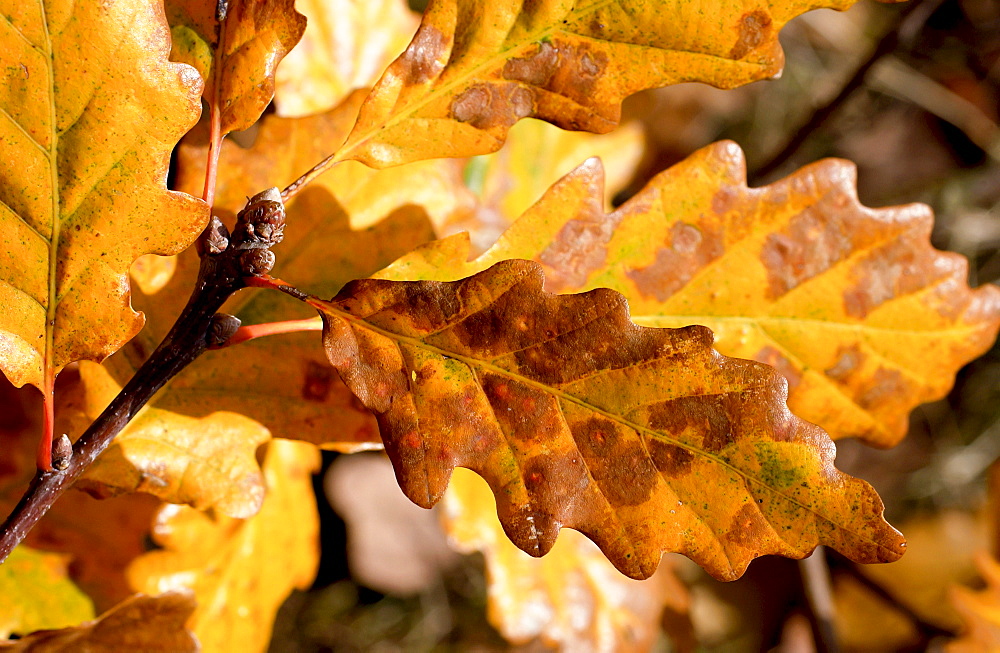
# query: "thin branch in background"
{"type": "Point", "coordinates": [819, 592]}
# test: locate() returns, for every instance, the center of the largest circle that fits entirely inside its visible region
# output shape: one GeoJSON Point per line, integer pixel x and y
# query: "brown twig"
{"type": "Point", "coordinates": [226, 264]}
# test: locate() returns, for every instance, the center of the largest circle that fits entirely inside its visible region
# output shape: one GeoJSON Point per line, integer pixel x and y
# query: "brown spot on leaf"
{"type": "Point", "coordinates": [748, 528]}
{"type": "Point", "coordinates": [896, 269]}
{"type": "Point", "coordinates": [849, 359]}
{"type": "Point", "coordinates": [493, 106]}
{"type": "Point", "coordinates": [686, 250]}
{"type": "Point", "coordinates": [317, 382]}
{"type": "Point", "coordinates": [772, 356]}
{"type": "Point", "coordinates": [425, 56]}
{"type": "Point", "coordinates": [709, 421]}
{"type": "Point", "coordinates": [616, 459]}
{"type": "Point", "coordinates": [811, 244]}
{"type": "Point", "coordinates": [536, 69]}
{"type": "Point", "coordinates": [671, 460]}
{"type": "Point", "coordinates": [753, 29]}
{"type": "Point", "coordinates": [885, 386]}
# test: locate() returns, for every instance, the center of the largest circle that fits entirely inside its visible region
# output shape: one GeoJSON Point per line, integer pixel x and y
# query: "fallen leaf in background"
{"type": "Point", "coordinates": [153, 624]}
{"type": "Point", "coordinates": [240, 570]}
{"type": "Point", "coordinates": [578, 418]}
{"type": "Point", "coordinates": [347, 44]}
{"type": "Point", "coordinates": [38, 593]}
{"type": "Point", "coordinates": [151, 272]}
{"type": "Point", "coordinates": [852, 305]}
{"type": "Point", "coordinates": [573, 599]}
{"type": "Point", "coordinates": [393, 546]}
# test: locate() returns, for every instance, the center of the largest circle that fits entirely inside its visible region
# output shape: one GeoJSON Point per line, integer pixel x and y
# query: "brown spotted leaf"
{"type": "Point", "coordinates": [238, 61]}
{"type": "Point", "coordinates": [473, 69]}
{"type": "Point", "coordinates": [347, 44]}
{"type": "Point", "coordinates": [153, 624]}
{"type": "Point", "coordinates": [83, 166]}
{"type": "Point", "coordinates": [853, 305]}
{"type": "Point", "coordinates": [646, 440]}
{"type": "Point", "coordinates": [572, 599]}
{"type": "Point", "coordinates": [240, 570]}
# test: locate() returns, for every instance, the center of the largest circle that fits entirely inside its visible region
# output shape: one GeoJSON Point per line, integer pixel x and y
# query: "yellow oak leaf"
{"type": "Point", "coordinates": [347, 44]}
{"type": "Point", "coordinates": [238, 58]}
{"type": "Point", "coordinates": [84, 165]}
{"type": "Point", "coordinates": [572, 598]}
{"type": "Point", "coordinates": [646, 440]}
{"type": "Point", "coordinates": [240, 570]}
{"type": "Point", "coordinates": [852, 305]}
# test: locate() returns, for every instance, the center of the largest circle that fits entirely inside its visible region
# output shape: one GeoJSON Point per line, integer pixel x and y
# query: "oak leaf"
{"type": "Point", "coordinates": [573, 599]}
{"type": "Point", "coordinates": [38, 593]}
{"type": "Point", "coordinates": [646, 440]}
{"type": "Point", "coordinates": [84, 165]}
{"type": "Point", "coordinates": [853, 305]}
{"type": "Point", "coordinates": [140, 623]}
{"type": "Point", "coordinates": [474, 69]}
{"type": "Point", "coordinates": [240, 570]}
{"type": "Point", "coordinates": [207, 463]}
{"type": "Point", "coordinates": [347, 44]}
{"type": "Point", "coordinates": [238, 57]}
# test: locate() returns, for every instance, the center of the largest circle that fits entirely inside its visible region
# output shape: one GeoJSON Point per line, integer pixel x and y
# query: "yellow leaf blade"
{"type": "Point", "coordinates": [84, 191]}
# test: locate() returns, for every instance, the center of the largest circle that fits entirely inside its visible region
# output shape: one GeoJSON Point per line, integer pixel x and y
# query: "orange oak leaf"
{"type": "Point", "coordinates": [347, 44]}
{"type": "Point", "coordinates": [646, 440]}
{"type": "Point", "coordinates": [474, 69]}
{"type": "Point", "coordinates": [240, 570]}
{"type": "Point", "coordinates": [573, 598]}
{"type": "Point", "coordinates": [99, 538]}
{"type": "Point", "coordinates": [209, 462]}
{"type": "Point", "coordinates": [852, 305]}
{"type": "Point", "coordinates": [84, 165]}
{"type": "Point", "coordinates": [38, 593]}
{"type": "Point", "coordinates": [980, 611]}
{"type": "Point", "coordinates": [238, 58]}
{"type": "Point", "coordinates": [140, 623]}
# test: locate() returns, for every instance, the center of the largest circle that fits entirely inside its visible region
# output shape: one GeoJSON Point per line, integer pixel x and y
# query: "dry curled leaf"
{"type": "Point", "coordinates": [572, 599]}
{"type": "Point", "coordinates": [852, 305]}
{"type": "Point", "coordinates": [646, 440]}
{"type": "Point", "coordinates": [238, 59]}
{"type": "Point", "coordinates": [474, 69]}
{"type": "Point", "coordinates": [347, 44]}
{"type": "Point", "coordinates": [84, 166]}
{"type": "Point", "coordinates": [152, 624]}
{"type": "Point", "coordinates": [240, 570]}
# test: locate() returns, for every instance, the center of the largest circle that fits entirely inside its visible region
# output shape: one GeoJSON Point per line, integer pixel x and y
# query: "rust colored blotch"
{"type": "Point", "coordinates": [753, 28]}
{"type": "Point", "coordinates": [772, 356]}
{"type": "Point", "coordinates": [617, 461]}
{"type": "Point", "coordinates": [898, 269]}
{"type": "Point", "coordinates": [521, 412]}
{"type": "Point", "coordinates": [886, 387]}
{"type": "Point", "coordinates": [813, 242]}
{"type": "Point", "coordinates": [747, 528]}
{"type": "Point", "coordinates": [493, 106]}
{"type": "Point", "coordinates": [580, 248]}
{"type": "Point", "coordinates": [318, 379]}
{"type": "Point", "coordinates": [686, 251]}
{"type": "Point", "coordinates": [711, 419]}
{"type": "Point", "coordinates": [671, 460]}
{"type": "Point", "coordinates": [849, 359]}
{"type": "Point", "coordinates": [536, 69]}
{"type": "Point", "coordinates": [423, 59]}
